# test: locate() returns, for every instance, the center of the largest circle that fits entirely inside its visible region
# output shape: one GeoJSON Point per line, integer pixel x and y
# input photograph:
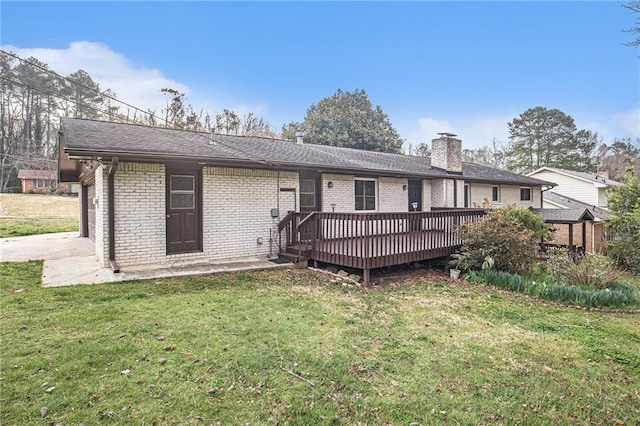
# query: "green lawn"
{"type": "Point", "coordinates": [29, 214]}
{"type": "Point", "coordinates": [285, 347]}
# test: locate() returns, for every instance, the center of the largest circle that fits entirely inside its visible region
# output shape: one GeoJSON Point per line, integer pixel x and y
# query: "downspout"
{"type": "Point", "coordinates": [542, 191]}
{"type": "Point", "coordinates": [112, 215]}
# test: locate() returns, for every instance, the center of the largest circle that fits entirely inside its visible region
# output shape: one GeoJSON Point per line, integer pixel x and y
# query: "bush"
{"type": "Point", "coordinates": [626, 253]}
{"type": "Point", "coordinates": [591, 271]}
{"type": "Point", "coordinates": [509, 236]}
{"type": "Point", "coordinates": [624, 203]}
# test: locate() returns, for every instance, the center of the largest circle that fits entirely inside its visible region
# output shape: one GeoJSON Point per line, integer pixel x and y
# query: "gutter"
{"type": "Point", "coordinates": [112, 215]}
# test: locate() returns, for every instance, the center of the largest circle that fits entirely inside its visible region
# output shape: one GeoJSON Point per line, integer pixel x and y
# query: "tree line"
{"type": "Point", "coordinates": [34, 97]}
{"type": "Point", "coordinates": [549, 137]}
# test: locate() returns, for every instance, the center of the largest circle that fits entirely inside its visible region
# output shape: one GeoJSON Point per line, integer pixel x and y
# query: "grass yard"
{"type": "Point", "coordinates": [28, 214]}
{"type": "Point", "coordinates": [285, 347]}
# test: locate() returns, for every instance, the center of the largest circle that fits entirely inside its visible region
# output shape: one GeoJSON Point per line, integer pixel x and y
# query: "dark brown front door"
{"type": "Point", "coordinates": [415, 195]}
{"type": "Point", "coordinates": [310, 200]}
{"type": "Point", "coordinates": [184, 210]}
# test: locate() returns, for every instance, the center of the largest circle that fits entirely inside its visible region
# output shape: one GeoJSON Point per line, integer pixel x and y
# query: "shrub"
{"type": "Point", "coordinates": [625, 252]}
{"type": "Point", "coordinates": [624, 203]}
{"type": "Point", "coordinates": [592, 270]}
{"type": "Point", "coordinates": [509, 236]}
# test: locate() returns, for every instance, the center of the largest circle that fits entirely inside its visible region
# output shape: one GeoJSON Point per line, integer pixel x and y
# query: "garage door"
{"type": "Point", "coordinates": [91, 212]}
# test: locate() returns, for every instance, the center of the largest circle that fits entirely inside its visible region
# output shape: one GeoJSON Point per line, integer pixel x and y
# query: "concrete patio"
{"type": "Point", "coordinates": [70, 260]}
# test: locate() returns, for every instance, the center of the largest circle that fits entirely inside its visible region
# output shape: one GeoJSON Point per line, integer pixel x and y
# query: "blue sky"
{"type": "Point", "coordinates": [465, 67]}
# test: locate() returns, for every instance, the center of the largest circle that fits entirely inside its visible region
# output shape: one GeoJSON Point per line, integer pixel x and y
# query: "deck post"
{"type": "Point", "coordinates": [366, 277]}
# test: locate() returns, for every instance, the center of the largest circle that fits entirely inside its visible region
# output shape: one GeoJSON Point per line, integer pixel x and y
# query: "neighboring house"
{"type": "Point", "coordinates": [589, 188]}
{"type": "Point", "coordinates": [578, 190]}
{"type": "Point", "coordinates": [595, 235]}
{"type": "Point", "coordinates": [38, 180]}
{"type": "Point", "coordinates": [156, 195]}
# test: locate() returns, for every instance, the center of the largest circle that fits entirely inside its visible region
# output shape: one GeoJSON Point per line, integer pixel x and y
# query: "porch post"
{"type": "Point", "coordinates": [571, 237]}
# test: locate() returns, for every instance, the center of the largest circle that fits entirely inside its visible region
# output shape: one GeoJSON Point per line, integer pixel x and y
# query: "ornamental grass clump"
{"type": "Point", "coordinates": [613, 294]}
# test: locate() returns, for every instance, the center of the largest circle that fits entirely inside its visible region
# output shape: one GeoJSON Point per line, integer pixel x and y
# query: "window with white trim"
{"type": "Point", "coordinates": [525, 193]}
{"type": "Point", "coordinates": [365, 194]}
{"type": "Point", "coordinates": [495, 193]}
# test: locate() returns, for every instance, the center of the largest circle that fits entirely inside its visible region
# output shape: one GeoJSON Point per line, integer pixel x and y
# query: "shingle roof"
{"type": "Point", "coordinates": [564, 215]}
{"type": "Point", "coordinates": [100, 139]}
{"type": "Point", "coordinates": [37, 174]}
{"type": "Point", "coordinates": [571, 203]}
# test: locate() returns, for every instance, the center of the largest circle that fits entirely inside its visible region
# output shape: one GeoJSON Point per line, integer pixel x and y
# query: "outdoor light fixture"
{"type": "Point", "coordinates": [404, 187]}
{"type": "Point", "coordinates": [330, 184]}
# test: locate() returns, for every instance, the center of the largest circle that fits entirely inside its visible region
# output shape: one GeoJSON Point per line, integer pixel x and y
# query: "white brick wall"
{"type": "Point", "coordinates": [237, 210]}
{"type": "Point", "coordinates": [342, 194]}
{"type": "Point", "coordinates": [101, 209]}
{"type": "Point", "coordinates": [459, 192]}
{"type": "Point", "coordinates": [140, 229]}
{"type": "Point", "coordinates": [237, 207]}
{"type": "Point", "coordinates": [427, 197]}
{"type": "Point", "coordinates": [442, 193]}
{"type": "Point", "coordinates": [481, 193]}
{"type": "Point", "coordinates": [392, 198]}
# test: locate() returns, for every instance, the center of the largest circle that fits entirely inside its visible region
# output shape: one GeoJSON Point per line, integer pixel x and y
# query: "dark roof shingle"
{"type": "Point", "coordinates": [37, 174]}
{"type": "Point", "coordinates": [99, 139]}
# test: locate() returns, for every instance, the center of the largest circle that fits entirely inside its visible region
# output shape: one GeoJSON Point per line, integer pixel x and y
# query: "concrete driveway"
{"type": "Point", "coordinates": [70, 260]}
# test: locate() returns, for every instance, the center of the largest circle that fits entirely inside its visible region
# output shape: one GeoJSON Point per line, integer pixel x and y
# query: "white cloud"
{"type": "Point", "coordinates": [430, 127]}
{"type": "Point", "coordinates": [137, 86]}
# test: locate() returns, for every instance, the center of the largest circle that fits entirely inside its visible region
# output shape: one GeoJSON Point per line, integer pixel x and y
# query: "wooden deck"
{"type": "Point", "coordinates": [374, 240]}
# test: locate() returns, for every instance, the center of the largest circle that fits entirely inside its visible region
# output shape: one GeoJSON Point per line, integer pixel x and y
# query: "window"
{"type": "Point", "coordinates": [182, 192]}
{"type": "Point", "coordinates": [467, 196]}
{"type": "Point", "coordinates": [43, 183]}
{"type": "Point", "coordinates": [525, 194]}
{"type": "Point", "coordinates": [308, 194]}
{"type": "Point", "coordinates": [495, 193]}
{"type": "Point", "coordinates": [365, 191]}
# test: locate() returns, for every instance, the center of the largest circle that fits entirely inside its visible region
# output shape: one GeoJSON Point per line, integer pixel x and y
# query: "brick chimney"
{"type": "Point", "coordinates": [446, 153]}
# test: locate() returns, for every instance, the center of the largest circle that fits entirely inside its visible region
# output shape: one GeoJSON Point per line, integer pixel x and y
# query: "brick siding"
{"type": "Point", "coordinates": [237, 207]}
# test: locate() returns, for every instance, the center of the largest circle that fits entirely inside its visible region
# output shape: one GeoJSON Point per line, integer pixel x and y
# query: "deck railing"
{"type": "Point", "coordinates": [375, 240]}
{"type": "Point", "coordinates": [288, 227]}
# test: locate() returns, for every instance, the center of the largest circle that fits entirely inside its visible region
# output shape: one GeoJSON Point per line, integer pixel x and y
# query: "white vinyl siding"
{"type": "Point", "coordinates": [571, 187]}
